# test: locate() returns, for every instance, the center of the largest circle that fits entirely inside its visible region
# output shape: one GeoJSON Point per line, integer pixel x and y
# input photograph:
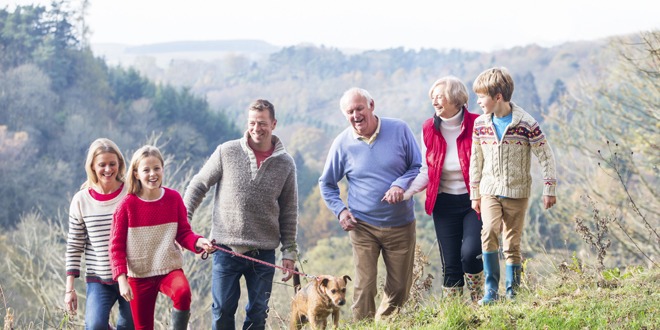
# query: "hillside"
{"type": "Point", "coordinates": [292, 77]}
{"type": "Point", "coordinates": [164, 53]}
{"type": "Point", "coordinates": [597, 102]}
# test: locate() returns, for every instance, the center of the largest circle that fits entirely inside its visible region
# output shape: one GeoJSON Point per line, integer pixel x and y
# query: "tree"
{"type": "Point", "coordinates": [607, 135]}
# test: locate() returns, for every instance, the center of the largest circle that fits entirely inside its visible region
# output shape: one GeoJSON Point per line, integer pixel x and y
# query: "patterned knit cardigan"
{"type": "Point", "coordinates": [502, 168]}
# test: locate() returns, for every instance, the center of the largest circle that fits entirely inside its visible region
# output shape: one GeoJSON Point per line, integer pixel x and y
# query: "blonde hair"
{"type": "Point", "coordinates": [102, 146]}
{"type": "Point", "coordinates": [455, 91]}
{"type": "Point", "coordinates": [494, 81]}
{"type": "Point", "coordinates": [134, 185]}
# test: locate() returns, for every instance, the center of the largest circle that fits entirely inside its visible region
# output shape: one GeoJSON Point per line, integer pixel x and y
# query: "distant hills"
{"type": "Point", "coordinates": [252, 46]}
{"type": "Point", "coordinates": [188, 50]}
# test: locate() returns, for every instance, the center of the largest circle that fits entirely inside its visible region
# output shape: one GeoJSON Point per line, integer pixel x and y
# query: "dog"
{"type": "Point", "coordinates": [317, 300]}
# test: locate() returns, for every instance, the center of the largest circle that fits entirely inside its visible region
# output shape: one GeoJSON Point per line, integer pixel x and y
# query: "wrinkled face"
{"type": "Point", "coordinates": [335, 288]}
{"type": "Point", "coordinates": [361, 115]}
{"type": "Point", "coordinates": [150, 173]}
{"type": "Point", "coordinates": [487, 103]}
{"type": "Point", "coordinates": [260, 127]}
{"type": "Point", "coordinates": [443, 107]}
{"type": "Point", "coordinates": [106, 167]}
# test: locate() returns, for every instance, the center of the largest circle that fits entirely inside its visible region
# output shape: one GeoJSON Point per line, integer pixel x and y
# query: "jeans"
{"type": "Point", "coordinates": [226, 290]}
{"type": "Point", "coordinates": [100, 299]}
{"type": "Point", "coordinates": [458, 230]}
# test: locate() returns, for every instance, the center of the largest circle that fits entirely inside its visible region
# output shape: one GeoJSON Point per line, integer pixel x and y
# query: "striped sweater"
{"type": "Point", "coordinates": [144, 232]}
{"type": "Point", "coordinates": [89, 236]}
{"type": "Point", "coordinates": [502, 167]}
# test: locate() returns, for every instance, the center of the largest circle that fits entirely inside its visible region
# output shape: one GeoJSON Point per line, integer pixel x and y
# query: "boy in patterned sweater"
{"type": "Point", "coordinates": [503, 139]}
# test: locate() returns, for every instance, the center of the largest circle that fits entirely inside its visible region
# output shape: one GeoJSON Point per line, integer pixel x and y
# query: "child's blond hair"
{"type": "Point", "coordinates": [494, 81]}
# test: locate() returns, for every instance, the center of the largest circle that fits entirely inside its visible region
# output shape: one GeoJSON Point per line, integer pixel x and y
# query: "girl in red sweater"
{"type": "Point", "coordinates": [145, 258]}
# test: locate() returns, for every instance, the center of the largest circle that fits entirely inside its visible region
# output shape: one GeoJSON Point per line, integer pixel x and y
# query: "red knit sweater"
{"type": "Point", "coordinates": [143, 235]}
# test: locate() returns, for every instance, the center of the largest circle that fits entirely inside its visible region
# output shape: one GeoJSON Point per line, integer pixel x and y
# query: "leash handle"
{"type": "Point", "coordinates": [205, 256]}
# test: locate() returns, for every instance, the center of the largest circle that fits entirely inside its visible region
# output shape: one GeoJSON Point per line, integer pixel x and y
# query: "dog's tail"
{"type": "Point", "coordinates": [296, 281]}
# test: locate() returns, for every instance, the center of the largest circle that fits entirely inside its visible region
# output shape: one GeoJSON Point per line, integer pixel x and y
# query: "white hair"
{"type": "Point", "coordinates": [352, 91]}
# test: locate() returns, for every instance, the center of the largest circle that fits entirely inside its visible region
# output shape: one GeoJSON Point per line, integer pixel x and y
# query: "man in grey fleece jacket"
{"type": "Point", "coordinates": [255, 210]}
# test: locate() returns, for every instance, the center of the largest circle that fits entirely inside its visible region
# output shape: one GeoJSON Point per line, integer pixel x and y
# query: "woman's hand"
{"type": "Point", "coordinates": [71, 301]}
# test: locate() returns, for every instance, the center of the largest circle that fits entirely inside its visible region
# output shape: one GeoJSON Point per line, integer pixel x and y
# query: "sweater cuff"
{"type": "Point", "coordinates": [549, 188]}
{"type": "Point", "coordinates": [116, 271]}
{"type": "Point", "coordinates": [475, 193]}
{"type": "Point", "coordinates": [290, 253]}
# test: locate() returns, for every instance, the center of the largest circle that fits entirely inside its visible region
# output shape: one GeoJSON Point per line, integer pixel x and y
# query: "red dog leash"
{"type": "Point", "coordinates": [216, 246]}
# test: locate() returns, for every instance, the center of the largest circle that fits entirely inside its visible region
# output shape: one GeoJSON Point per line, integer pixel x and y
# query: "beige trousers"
{"type": "Point", "coordinates": [397, 244]}
{"type": "Point", "coordinates": [506, 216]}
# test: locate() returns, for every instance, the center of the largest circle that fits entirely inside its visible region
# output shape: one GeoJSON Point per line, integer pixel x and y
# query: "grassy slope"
{"type": "Point", "coordinates": [565, 300]}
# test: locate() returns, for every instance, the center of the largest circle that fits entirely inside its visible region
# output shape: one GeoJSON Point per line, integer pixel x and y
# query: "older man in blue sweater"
{"type": "Point", "coordinates": [379, 158]}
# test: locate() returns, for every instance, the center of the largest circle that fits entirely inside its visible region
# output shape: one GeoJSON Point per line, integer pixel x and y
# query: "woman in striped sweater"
{"type": "Point", "coordinates": [90, 219]}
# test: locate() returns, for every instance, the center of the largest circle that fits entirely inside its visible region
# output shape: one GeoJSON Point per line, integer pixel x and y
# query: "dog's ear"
{"type": "Point", "coordinates": [324, 282]}
{"type": "Point", "coordinates": [347, 278]}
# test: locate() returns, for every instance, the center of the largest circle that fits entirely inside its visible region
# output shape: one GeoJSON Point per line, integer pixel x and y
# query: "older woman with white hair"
{"type": "Point", "coordinates": [446, 149]}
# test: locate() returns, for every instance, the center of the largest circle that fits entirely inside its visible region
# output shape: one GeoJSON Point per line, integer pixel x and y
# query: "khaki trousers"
{"type": "Point", "coordinates": [397, 245]}
{"type": "Point", "coordinates": [506, 216]}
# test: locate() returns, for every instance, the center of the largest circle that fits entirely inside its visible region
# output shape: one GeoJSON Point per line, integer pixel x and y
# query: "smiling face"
{"type": "Point", "coordinates": [106, 168]}
{"type": "Point", "coordinates": [260, 129]}
{"type": "Point", "coordinates": [360, 114]}
{"type": "Point", "coordinates": [444, 108]}
{"type": "Point", "coordinates": [150, 174]}
{"type": "Point", "coordinates": [486, 102]}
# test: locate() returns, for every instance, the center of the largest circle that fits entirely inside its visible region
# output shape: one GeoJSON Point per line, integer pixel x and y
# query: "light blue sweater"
{"type": "Point", "coordinates": [393, 159]}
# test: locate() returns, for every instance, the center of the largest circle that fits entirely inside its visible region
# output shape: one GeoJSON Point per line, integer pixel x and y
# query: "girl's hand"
{"type": "Point", "coordinates": [124, 288]}
{"type": "Point", "coordinates": [204, 244]}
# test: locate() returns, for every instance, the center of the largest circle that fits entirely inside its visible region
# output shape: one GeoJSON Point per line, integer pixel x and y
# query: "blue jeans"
{"type": "Point", "coordinates": [458, 230]}
{"type": "Point", "coordinates": [226, 290]}
{"type": "Point", "coordinates": [100, 299]}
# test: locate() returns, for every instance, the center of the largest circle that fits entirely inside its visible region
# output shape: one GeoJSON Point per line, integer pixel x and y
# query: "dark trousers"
{"type": "Point", "coordinates": [458, 230]}
{"type": "Point", "coordinates": [226, 288]}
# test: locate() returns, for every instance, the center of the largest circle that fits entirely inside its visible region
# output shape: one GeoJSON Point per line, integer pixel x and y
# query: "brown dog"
{"type": "Point", "coordinates": [317, 300]}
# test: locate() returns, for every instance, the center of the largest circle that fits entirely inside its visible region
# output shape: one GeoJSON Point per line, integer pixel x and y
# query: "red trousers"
{"type": "Point", "coordinates": [145, 291]}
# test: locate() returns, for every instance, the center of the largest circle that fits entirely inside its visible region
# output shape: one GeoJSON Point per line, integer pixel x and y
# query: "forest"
{"type": "Point", "coordinates": [598, 102]}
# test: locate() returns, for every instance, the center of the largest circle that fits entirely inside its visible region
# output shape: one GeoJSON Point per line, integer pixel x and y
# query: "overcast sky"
{"type": "Point", "coordinates": [482, 25]}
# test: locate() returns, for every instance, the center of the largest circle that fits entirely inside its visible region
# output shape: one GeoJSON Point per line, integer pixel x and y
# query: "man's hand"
{"type": "Point", "coordinates": [393, 195]}
{"type": "Point", "coordinates": [288, 264]}
{"type": "Point", "coordinates": [347, 220]}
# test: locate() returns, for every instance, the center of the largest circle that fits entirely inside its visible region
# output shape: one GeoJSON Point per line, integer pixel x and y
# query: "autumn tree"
{"type": "Point", "coordinates": [607, 141]}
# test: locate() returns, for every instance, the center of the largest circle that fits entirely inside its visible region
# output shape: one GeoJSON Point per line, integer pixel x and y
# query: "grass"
{"type": "Point", "coordinates": [567, 298]}
{"type": "Point", "coordinates": [564, 300]}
